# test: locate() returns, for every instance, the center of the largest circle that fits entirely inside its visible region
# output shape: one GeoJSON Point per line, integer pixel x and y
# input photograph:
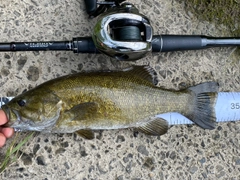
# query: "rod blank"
{"type": "Point", "coordinates": [77, 45]}
{"type": "Point", "coordinates": [160, 43]}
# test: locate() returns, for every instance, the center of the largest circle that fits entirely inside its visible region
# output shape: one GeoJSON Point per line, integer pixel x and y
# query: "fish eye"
{"type": "Point", "coordinates": [21, 102]}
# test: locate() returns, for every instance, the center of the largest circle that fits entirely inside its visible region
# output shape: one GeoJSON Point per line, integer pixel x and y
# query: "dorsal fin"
{"type": "Point", "coordinates": [144, 72]}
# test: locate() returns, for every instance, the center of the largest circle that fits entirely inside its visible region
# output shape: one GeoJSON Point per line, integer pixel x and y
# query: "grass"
{"type": "Point", "coordinates": [218, 12]}
{"type": "Point", "coordinates": [12, 153]}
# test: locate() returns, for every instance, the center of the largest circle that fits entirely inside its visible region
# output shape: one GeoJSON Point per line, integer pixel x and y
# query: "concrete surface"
{"type": "Point", "coordinates": [185, 152]}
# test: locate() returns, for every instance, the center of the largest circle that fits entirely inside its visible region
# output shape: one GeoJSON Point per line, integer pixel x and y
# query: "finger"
{"type": "Point", "coordinates": [8, 132]}
{"type": "Point", "coordinates": [2, 140]}
{"type": "Point", "coordinates": [3, 117]}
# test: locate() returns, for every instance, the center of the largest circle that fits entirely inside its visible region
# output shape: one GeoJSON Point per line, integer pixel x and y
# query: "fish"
{"type": "Point", "coordinates": [130, 98]}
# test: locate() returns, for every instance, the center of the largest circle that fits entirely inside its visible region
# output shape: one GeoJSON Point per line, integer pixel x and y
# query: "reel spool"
{"type": "Point", "coordinates": [123, 33]}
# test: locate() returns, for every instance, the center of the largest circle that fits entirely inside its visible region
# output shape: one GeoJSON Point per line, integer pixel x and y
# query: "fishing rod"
{"type": "Point", "coordinates": [227, 109]}
{"type": "Point", "coordinates": [121, 32]}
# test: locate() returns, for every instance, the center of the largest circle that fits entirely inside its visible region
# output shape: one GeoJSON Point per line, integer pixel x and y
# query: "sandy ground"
{"type": "Point", "coordinates": [185, 152]}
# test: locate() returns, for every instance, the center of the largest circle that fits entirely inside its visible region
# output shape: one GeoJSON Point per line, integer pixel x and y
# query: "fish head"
{"type": "Point", "coordinates": [34, 110]}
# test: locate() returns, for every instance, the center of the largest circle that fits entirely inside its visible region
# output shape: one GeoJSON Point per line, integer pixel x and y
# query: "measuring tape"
{"type": "Point", "coordinates": [227, 108]}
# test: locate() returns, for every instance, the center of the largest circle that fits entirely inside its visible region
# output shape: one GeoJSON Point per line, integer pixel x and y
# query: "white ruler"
{"type": "Point", "coordinates": [227, 108]}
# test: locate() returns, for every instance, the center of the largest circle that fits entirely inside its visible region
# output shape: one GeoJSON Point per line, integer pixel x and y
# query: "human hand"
{"type": "Point", "coordinates": [5, 132]}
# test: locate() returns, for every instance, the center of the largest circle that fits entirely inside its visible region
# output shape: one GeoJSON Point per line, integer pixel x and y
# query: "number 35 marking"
{"type": "Point", "coordinates": [235, 105]}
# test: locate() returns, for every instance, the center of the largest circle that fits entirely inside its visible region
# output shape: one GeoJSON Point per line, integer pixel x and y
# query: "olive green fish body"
{"type": "Point", "coordinates": [120, 101]}
{"type": "Point", "coordinates": [101, 100]}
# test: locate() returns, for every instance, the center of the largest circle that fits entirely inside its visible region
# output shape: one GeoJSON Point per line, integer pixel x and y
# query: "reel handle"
{"type": "Point", "coordinates": [91, 6]}
{"type": "Point", "coordinates": [95, 7]}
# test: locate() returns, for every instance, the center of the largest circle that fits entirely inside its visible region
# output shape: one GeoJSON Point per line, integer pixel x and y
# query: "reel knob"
{"type": "Point", "coordinates": [123, 33]}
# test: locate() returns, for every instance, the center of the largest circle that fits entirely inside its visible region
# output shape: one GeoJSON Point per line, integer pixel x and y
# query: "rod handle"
{"type": "Point", "coordinates": [167, 43]}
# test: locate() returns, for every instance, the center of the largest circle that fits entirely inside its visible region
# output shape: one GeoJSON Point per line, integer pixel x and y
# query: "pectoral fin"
{"type": "Point", "coordinates": [77, 114]}
{"type": "Point", "coordinates": [83, 111]}
{"type": "Point", "coordinates": [86, 133]}
{"type": "Point", "coordinates": [156, 127]}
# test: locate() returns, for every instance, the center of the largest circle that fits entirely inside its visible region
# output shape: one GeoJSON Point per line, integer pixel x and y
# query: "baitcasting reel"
{"type": "Point", "coordinates": [123, 33]}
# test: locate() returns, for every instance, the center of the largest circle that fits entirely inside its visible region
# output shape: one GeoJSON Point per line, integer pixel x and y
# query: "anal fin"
{"type": "Point", "coordinates": [86, 133]}
{"type": "Point", "coordinates": [156, 127]}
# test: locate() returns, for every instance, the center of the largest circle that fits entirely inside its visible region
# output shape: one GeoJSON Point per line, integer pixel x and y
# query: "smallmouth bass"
{"type": "Point", "coordinates": [90, 101]}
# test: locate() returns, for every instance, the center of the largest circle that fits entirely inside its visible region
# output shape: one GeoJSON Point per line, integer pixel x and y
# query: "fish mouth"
{"type": "Point", "coordinates": [14, 119]}
{"type": "Point", "coordinates": [20, 123]}
{"type": "Point", "coordinates": [6, 110]}
{"type": "Point", "coordinates": [12, 116]}
{"type": "Point", "coordinates": [7, 113]}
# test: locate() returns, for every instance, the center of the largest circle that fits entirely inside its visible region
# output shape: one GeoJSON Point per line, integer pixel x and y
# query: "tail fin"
{"type": "Point", "coordinates": [202, 112]}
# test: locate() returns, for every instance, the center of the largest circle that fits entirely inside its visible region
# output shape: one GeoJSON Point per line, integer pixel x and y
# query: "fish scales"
{"type": "Point", "coordinates": [106, 100]}
{"type": "Point", "coordinates": [121, 99]}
